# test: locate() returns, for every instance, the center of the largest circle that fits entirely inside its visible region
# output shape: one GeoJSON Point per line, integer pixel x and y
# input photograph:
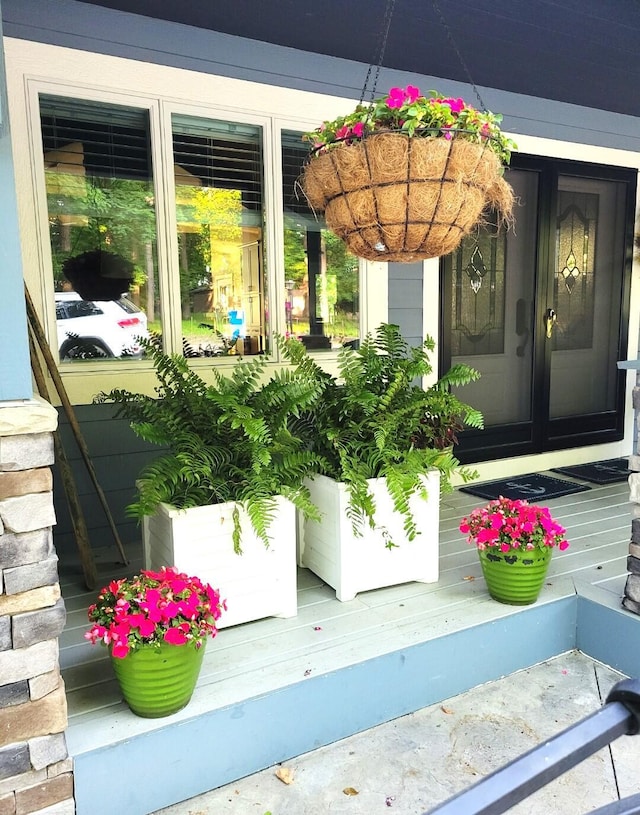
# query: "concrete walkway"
{"type": "Point", "coordinates": [409, 765]}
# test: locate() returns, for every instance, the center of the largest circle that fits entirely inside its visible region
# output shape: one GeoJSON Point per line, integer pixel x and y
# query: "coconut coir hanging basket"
{"type": "Point", "coordinates": [394, 197]}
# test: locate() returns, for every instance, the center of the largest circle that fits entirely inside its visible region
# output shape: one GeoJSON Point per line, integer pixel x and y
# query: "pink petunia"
{"type": "Point", "coordinates": [456, 105]}
{"type": "Point", "coordinates": [178, 584]}
{"type": "Point", "coordinates": [145, 626]}
{"type": "Point", "coordinates": [395, 98]}
{"type": "Point", "coordinates": [170, 610]}
{"type": "Point", "coordinates": [412, 93]}
{"type": "Point", "coordinates": [121, 609]}
{"type": "Point", "coordinates": [487, 536]}
{"type": "Point", "coordinates": [496, 520]}
{"type": "Point", "coordinates": [152, 605]}
{"type": "Point", "coordinates": [189, 606]}
{"type": "Point", "coordinates": [97, 633]}
{"type": "Point", "coordinates": [175, 636]}
{"type": "Point", "coordinates": [120, 649]}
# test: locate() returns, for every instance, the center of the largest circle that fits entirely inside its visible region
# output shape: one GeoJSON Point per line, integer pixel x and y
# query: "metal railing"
{"type": "Point", "coordinates": [507, 786]}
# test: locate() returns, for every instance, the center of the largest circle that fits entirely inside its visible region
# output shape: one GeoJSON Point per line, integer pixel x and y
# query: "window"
{"type": "Point", "coordinates": [321, 276]}
{"type": "Point", "coordinates": [219, 213]}
{"type": "Point", "coordinates": [158, 227]}
{"type": "Point", "coordinates": [102, 226]}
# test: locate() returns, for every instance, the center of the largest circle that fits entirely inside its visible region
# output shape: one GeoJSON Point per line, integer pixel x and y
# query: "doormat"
{"type": "Point", "coordinates": [602, 472]}
{"type": "Point", "coordinates": [533, 488]}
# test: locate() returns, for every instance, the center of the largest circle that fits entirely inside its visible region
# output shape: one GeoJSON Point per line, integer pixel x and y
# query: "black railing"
{"type": "Point", "coordinates": [507, 786]}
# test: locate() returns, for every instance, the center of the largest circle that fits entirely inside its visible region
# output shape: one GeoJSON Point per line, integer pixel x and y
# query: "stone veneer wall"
{"type": "Point", "coordinates": [631, 599]}
{"type": "Point", "coordinates": [36, 773]}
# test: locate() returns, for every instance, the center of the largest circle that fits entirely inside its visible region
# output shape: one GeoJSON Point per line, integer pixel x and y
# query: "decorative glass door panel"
{"type": "Point", "coordinates": [492, 299]}
{"type": "Point", "coordinates": [589, 266]}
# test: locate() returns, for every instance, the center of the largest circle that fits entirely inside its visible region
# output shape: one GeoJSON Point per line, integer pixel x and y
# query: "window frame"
{"type": "Point", "coordinates": [168, 108]}
{"type": "Point", "coordinates": [84, 380]}
{"type": "Point", "coordinates": [102, 375]}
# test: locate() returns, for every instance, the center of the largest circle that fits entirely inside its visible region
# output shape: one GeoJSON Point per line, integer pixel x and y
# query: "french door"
{"type": "Point", "coordinates": [541, 311]}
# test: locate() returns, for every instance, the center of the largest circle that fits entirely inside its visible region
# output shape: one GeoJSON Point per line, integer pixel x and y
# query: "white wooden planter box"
{"type": "Point", "coordinates": [352, 564]}
{"type": "Point", "coordinates": [261, 582]}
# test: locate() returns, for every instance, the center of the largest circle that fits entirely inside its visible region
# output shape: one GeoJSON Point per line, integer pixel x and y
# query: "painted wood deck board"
{"type": "Point", "coordinates": [326, 635]}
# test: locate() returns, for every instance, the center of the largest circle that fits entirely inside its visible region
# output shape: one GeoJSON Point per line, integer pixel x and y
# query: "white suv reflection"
{"type": "Point", "coordinates": [100, 329]}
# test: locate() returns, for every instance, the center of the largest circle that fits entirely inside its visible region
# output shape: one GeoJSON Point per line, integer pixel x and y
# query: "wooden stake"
{"type": "Point", "coordinates": [70, 490]}
{"type": "Point", "coordinates": [73, 422]}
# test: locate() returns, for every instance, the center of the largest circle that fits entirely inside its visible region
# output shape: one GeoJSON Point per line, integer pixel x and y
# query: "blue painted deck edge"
{"type": "Point", "coordinates": [242, 739]}
{"type": "Point", "coordinates": [610, 635]}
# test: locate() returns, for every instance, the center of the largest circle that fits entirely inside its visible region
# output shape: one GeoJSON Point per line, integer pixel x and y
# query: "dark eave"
{"type": "Point", "coordinates": [586, 52]}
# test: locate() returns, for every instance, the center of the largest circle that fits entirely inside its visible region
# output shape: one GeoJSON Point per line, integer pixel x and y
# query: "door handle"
{"type": "Point", "coordinates": [550, 319]}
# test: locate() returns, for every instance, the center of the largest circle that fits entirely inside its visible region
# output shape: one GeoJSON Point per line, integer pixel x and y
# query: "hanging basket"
{"type": "Point", "coordinates": [395, 197]}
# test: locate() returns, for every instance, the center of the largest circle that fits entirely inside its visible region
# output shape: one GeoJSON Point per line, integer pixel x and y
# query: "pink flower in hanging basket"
{"type": "Point", "coordinates": [409, 111]}
{"type": "Point", "coordinates": [456, 105]}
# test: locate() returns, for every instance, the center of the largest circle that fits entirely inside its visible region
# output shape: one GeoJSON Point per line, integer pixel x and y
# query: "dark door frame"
{"type": "Point", "coordinates": [541, 434]}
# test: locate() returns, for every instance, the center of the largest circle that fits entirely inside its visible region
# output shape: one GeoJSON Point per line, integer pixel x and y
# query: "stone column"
{"type": "Point", "coordinates": [36, 773]}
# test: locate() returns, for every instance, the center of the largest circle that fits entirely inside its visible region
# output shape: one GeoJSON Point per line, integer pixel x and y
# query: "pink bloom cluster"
{"type": "Point", "coordinates": [408, 111]}
{"type": "Point", "coordinates": [164, 606]}
{"type": "Point", "coordinates": [397, 97]}
{"type": "Point", "coordinates": [507, 524]}
{"type": "Point", "coordinates": [346, 132]}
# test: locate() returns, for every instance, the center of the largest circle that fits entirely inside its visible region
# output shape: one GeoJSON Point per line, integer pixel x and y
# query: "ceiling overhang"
{"type": "Point", "coordinates": [585, 52]}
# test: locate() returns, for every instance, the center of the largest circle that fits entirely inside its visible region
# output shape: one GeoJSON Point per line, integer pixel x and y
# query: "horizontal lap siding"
{"type": "Point", "coordinates": [405, 300]}
{"type": "Point", "coordinates": [118, 456]}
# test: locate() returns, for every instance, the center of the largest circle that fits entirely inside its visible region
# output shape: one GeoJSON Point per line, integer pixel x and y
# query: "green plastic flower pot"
{"type": "Point", "coordinates": [515, 577]}
{"type": "Point", "coordinates": [158, 680]}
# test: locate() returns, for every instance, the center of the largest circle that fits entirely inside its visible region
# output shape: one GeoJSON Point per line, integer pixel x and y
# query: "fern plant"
{"type": "Point", "coordinates": [235, 440]}
{"type": "Point", "coordinates": [375, 420]}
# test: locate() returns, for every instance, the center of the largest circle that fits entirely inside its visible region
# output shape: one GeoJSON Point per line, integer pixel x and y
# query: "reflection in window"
{"type": "Point", "coordinates": [102, 226]}
{"type": "Point", "coordinates": [219, 210]}
{"type": "Point", "coordinates": [321, 276]}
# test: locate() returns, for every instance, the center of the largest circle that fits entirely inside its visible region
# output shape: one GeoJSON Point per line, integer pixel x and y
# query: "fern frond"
{"type": "Point", "coordinates": [457, 376]}
{"type": "Point", "coordinates": [375, 420]}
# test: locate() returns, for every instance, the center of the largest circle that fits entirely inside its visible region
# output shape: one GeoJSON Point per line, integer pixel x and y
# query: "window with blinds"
{"type": "Point", "coordinates": [321, 276]}
{"type": "Point", "coordinates": [102, 226]}
{"type": "Point", "coordinates": [103, 232]}
{"type": "Point", "coordinates": [218, 170]}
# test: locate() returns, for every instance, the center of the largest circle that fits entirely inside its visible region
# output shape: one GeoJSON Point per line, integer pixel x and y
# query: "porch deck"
{"type": "Point", "coordinates": [275, 688]}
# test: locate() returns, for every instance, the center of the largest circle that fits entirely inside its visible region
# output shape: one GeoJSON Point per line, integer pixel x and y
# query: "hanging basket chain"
{"type": "Point", "coordinates": [383, 46]}
{"type": "Point", "coordinates": [454, 45]}
{"type": "Point", "coordinates": [388, 14]}
{"type": "Point", "coordinates": [395, 189]}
